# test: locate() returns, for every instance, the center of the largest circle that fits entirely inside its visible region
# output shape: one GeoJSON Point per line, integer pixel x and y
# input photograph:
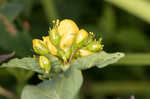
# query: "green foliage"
{"type": "Point", "coordinates": [25, 63]}
{"type": "Point", "coordinates": [120, 30]}
{"type": "Point", "coordinates": [11, 15]}
{"type": "Point", "coordinates": [131, 33]}
{"type": "Point", "coordinates": [17, 41]}
{"type": "Point", "coordinates": [100, 60]}
{"type": "Point", "coordinates": [140, 8]}
{"type": "Point", "coordinates": [64, 86]}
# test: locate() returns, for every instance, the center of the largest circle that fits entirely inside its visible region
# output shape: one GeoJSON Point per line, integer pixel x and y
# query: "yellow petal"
{"type": "Point", "coordinates": [50, 46]}
{"type": "Point", "coordinates": [81, 35]}
{"type": "Point", "coordinates": [67, 26]}
{"type": "Point", "coordinates": [66, 40]}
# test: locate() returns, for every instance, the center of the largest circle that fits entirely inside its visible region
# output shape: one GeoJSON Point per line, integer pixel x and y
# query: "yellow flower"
{"type": "Point", "coordinates": [67, 26]}
{"type": "Point", "coordinates": [50, 46]}
{"type": "Point", "coordinates": [39, 47]}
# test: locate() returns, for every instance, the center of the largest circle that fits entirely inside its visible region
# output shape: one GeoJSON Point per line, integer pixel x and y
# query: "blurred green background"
{"type": "Point", "coordinates": [124, 26]}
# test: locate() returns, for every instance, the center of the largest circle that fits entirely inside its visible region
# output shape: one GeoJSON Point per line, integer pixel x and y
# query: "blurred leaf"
{"type": "Point", "coordinates": [27, 5]}
{"type": "Point", "coordinates": [128, 37]}
{"type": "Point", "coordinates": [140, 8]}
{"type": "Point", "coordinates": [14, 40]}
{"type": "Point", "coordinates": [2, 2]}
{"type": "Point", "coordinates": [121, 88]}
{"type": "Point", "coordinates": [107, 25]}
{"type": "Point", "coordinates": [21, 75]}
{"type": "Point", "coordinates": [6, 56]}
{"type": "Point", "coordinates": [74, 9]}
{"type": "Point", "coordinates": [100, 60]}
{"type": "Point", "coordinates": [49, 8]}
{"type": "Point", "coordinates": [107, 22]}
{"type": "Point", "coordinates": [64, 86]}
{"type": "Point", "coordinates": [135, 59]}
{"type": "Point", "coordinates": [11, 10]}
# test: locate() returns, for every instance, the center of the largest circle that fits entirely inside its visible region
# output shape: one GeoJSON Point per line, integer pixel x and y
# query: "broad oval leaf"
{"type": "Point", "coordinates": [33, 64]}
{"type": "Point", "coordinates": [25, 63]}
{"type": "Point", "coordinates": [100, 60]}
{"type": "Point", "coordinates": [63, 86]}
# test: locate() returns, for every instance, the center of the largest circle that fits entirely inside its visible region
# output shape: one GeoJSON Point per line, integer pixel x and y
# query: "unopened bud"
{"type": "Point", "coordinates": [45, 64]}
{"type": "Point", "coordinates": [81, 35]}
{"type": "Point", "coordinates": [39, 47]}
{"type": "Point", "coordinates": [67, 26]}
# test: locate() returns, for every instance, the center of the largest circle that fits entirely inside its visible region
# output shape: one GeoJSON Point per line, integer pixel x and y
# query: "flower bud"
{"type": "Point", "coordinates": [39, 47]}
{"type": "Point", "coordinates": [81, 35]}
{"type": "Point", "coordinates": [66, 41]}
{"type": "Point", "coordinates": [94, 46]}
{"type": "Point", "coordinates": [84, 52]}
{"type": "Point", "coordinates": [50, 46]}
{"type": "Point", "coordinates": [67, 26]}
{"type": "Point", "coordinates": [54, 36]}
{"type": "Point", "coordinates": [45, 64]}
{"type": "Point", "coordinates": [81, 39]}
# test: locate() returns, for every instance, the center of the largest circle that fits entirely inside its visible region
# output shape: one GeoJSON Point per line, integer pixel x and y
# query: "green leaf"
{"type": "Point", "coordinates": [140, 8]}
{"type": "Point", "coordinates": [100, 60]}
{"type": "Point", "coordinates": [11, 10]}
{"type": "Point", "coordinates": [130, 33]}
{"type": "Point", "coordinates": [27, 5]}
{"type": "Point", "coordinates": [17, 41]}
{"type": "Point", "coordinates": [64, 86]}
{"type": "Point", "coordinates": [25, 63]}
{"type": "Point", "coordinates": [33, 64]}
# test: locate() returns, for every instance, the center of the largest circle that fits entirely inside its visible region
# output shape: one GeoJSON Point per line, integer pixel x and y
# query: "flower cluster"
{"type": "Point", "coordinates": [67, 42]}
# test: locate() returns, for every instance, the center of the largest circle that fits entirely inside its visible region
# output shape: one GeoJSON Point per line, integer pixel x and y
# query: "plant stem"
{"type": "Point", "coordinates": [135, 59]}
{"type": "Point", "coordinates": [103, 88]}
{"type": "Point", "coordinates": [140, 8]}
{"type": "Point", "coordinates": [49, 8]}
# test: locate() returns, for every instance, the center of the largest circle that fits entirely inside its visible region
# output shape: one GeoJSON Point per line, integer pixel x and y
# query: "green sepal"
{"type": "Point", "coordinates": [94, 46]}
{"type": "Point", "coordinates": [54, 36]}
{"type": "Point", "coordinates": [68, 51]}
{"type": "Point", "coordinates": [61, 55]}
